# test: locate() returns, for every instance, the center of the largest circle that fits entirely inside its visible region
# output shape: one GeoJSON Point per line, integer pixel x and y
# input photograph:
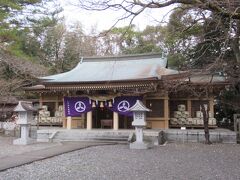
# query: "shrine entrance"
{"type": "Point", "coordinates": [125, 122]}
{"type": "Point", "coordinates": [110, 114]}
{"type": "Point", "coordinates": [102, 118]}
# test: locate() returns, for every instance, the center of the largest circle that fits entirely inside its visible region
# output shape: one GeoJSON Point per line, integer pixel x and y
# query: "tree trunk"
{"type": "Point", "coordinates": [235, 42]}
{"type": "Point", "coordinates": [205, 112]}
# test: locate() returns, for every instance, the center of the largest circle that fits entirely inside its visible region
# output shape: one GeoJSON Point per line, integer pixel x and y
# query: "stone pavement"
{"type": "Point", "coordinates": [16, 160]}
{"type": "Point", "coordinates": [180, 161]}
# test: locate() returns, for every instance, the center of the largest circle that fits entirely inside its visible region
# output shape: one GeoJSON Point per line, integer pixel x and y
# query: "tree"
{"type": "Point", "coordinates": [135, 7]}
{"type": "Point", "coordinates": [62, 47]}
{"type": "Point", "coordinates": [52, 47]}
{"type": "Point", "coordinates": [16, 73]}
{"type": "Point", "coordinates": [22, 22]}
{"type": "Point", "coordinates": [224, 10]}
{"type": "Point", "coordinates": [77, 45]}
{"type": "Point", "coordinates": [19, 47]}
{"type": "Point", "coordinates": [129, 40]}
{"type": "Point", "coordinates": [73, 44]}
{"type": "Point", "coordinates": [202, 34]}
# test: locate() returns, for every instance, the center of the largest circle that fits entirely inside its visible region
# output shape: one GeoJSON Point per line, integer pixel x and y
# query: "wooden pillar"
{"type": "Point", "coordinates": [40, 100]}
{"type": "Point", "coordinates": [40, 106]}
{"type": "Point", "coordinates": [82, 121]}
{"type": "Point", "coordinates": [125, 125]}
{"type": "Point", "coordinates": [64, 117]}
{"type": "Point", "coordinates": [166, 113]}
{"type": "Point", "coordinates": [89, 120]}
{"type": "Point", "coordinates": [56, 103]}
{"type": "Point", "coordinates": [211, 106]}
{"type": "Point", "coordinates": [64, 122]}
{"type": "Point", "coordinates": [235, 120]}
{"type": "Point", "coordinates": [69, 122]}
{"type": "Point", "coordinates": [189, 107]}
{"type": "Point", "coordinates": [115, 121]}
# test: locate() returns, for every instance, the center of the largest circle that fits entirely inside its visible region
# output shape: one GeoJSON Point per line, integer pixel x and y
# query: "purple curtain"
{"type": "Point", "coordinates": [122, 104]}
{"type": "Point", "coordinates": [75, 106]}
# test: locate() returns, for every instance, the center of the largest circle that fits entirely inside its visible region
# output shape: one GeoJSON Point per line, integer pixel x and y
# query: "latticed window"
{"type": "Point", "coordinates": [139, 115]}
{"type": "Point", "coordinates": [156, 106]}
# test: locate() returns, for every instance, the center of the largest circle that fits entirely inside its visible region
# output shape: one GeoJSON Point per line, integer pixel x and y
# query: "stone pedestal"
{"type": "Point", "coordinates": [24, 109]}
{"type": "Point", "coordinates": [139, 143]}
{"type": "Point", "coordinates": [24, 136]}
{"type": "Point", "coordinates": [139, 116]}
{"type": "Point", "coordinates": [139, 134]}
{"type": "Point", "coordinates": [142, 145]}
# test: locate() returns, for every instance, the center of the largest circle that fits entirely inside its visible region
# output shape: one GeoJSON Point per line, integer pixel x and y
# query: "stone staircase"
{"type": "Point", "coordinates": [156, 137]}
{"type": "Point", "coordinates": [106, 135]}
{"type": "Point", "coordinates": [82, 135]}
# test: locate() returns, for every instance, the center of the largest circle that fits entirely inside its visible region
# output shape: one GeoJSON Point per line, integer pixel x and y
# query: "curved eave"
{"type": "Point", "coordinates": [94, 86]}
{"type": "Point", "coordinates": [103, 82]}
{"type": "Point", "coordinates": [103, 87]}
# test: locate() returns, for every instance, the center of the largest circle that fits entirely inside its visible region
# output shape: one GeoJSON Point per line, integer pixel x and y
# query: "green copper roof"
{"type": "Point", "coordinates": [116, 68]}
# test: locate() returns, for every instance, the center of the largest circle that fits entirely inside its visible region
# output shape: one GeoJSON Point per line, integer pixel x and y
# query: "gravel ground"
{"type": "Point", "coordinates": [173, 161]}
{"type": "Point", "coordinates": [8, 149]}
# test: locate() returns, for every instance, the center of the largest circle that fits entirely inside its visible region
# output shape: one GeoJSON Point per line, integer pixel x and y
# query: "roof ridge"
{"type": "Point", "coordinates": [125, 57]}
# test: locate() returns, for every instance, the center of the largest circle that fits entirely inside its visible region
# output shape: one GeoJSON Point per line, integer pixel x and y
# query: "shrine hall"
{"type": "Point", "coordinates": [99, 92]}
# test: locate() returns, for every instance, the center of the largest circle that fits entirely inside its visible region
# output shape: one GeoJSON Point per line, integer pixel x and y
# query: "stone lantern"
{"type": "Point", "coordinates": [139, 122]}
{"type": "Point", "coordinates": [25, 110]}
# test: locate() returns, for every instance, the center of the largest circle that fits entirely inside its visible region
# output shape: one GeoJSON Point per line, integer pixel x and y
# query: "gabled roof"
{"type": "Point", "coordinates": [198, 77]}
{"type": "Point", "coordinates": [116, 68]}
{"type": "Point", "coordinates": [139, 106]}
{"type": "Point", "coordinates": [24, 106]}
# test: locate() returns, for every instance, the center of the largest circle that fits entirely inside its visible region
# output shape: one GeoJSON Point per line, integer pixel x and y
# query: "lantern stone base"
{"type": "Point", "coordinates": [24, 136]}
{"type": "Point", "coordinates": [139, 145]}
{"type": "Point", "coordinates": [21, 141]}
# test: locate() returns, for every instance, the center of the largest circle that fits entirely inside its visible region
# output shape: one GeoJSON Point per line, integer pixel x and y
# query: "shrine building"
{"type": "Point", "coordinates": [99, 92]}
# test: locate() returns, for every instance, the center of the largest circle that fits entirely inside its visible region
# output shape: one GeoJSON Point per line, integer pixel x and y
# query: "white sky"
{"type": "Point", "coordinates": [105, 19]}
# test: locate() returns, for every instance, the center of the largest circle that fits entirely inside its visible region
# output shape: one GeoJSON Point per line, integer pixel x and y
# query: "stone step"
{"type": "Point", "coordinates": [81, 135]}
{"type": "Point", "coordinates": [156, 136]}
{"type": "Point", "coordinates": [62, 136]}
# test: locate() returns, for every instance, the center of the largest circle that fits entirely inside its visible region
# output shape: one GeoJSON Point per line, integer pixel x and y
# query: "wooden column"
{"type": "Point", "coordinates": [166, 113]}
{"type": "Point", "coordinates": [64, 117]}
{"type": "Point", "coordinates": [82, 121]}
{"type": "Point", "coordinates": [189, 107]}
{"type": "Point", "coordinates": [115, 121]}
{"type": "Point", "coordinates": [211, 106]}
{"type": "Point", "coordinates": [69, 122]}
{"type": "Point", "coordinates": [40, 100]}
{"type": "Point", "coordinates": [125, 125]}
{"type": "Point", "coordinates": [57, 103]}
{"type": "Point", "coordinates": [64, 122]}
{"type": "Point", "coordinates": [89, 120]}
{"type": "Point", "coordinates": [40, 105]}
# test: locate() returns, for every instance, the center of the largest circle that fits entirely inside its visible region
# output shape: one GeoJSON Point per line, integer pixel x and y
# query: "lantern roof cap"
{"type": "Point", "coordinates": [139, 106]}
{"type": "Point", "coordinates": [24, 106]}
